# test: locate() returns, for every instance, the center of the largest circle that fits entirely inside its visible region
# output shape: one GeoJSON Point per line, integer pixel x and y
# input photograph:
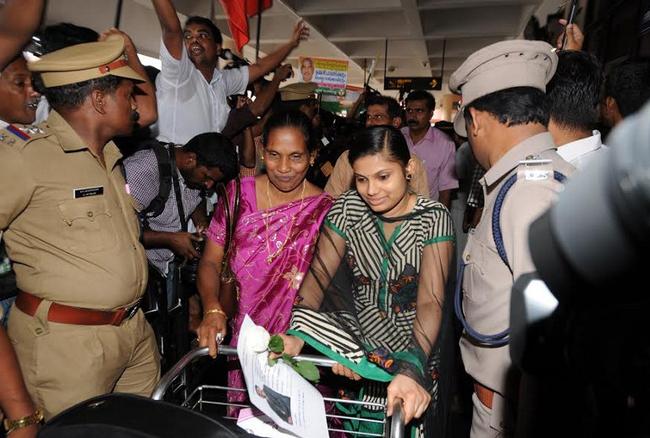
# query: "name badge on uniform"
{"type": "Point", "coordinates": [535, 169]}
{"type": "Point", "coordinates": [88, 191]}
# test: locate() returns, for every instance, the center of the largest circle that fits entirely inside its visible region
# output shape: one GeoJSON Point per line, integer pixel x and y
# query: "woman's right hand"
{"type": "Point", "coordinates": [292, 346]}
{"type": "Point", "coordinates": [213, 324]}
{"type": "Point", "coordinates": [413, 397]}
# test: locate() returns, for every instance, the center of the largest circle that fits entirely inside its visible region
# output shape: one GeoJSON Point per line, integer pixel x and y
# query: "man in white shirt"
{"type": "Point", "coordinates": [574, 99]}
{"type": "Point", "coordinates": [191, 90]}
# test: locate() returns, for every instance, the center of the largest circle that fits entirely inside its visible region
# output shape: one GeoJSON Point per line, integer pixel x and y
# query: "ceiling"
{"type": "Point", "coordinates": [416, 33]}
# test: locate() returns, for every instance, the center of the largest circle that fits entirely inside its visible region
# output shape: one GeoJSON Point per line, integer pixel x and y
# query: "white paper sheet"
{"type": "Point", "coordinates": [258, 424]}
{"type": "Point", "coordinates": [293, 403]}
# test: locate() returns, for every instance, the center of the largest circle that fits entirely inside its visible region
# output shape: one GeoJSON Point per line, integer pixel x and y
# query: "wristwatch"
{"type": "Point", "coordinates": [12, 425]}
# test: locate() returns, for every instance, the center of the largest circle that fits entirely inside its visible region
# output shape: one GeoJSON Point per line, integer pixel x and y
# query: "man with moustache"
{"type": "Point", "coordinates": [73, 235]}
{"type": "Point", "coordinates": [191, 89]}
{"type": "Point", "coordinates": [18, 20]}
{"type": "Point", "coordinates": [18, 102]}
{"type": "Point", "coordinates": [431, 145]}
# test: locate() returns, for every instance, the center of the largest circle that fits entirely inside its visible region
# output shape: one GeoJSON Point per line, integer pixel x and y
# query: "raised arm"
{"type": "Point", "coordinates": [18, 21]}
{"type": "Point", "coordinates": [574, 36]}
{"type": "Point", "coordinates": [264, 97]}
{"type": "Point", "coordinates": [172, 32]}
{"type": "Point", "coordinates": [268, 63]}
{"type": "Point", "coordinates": [145, 95]}
{"type": "Point", "coordinates": [247, 156]}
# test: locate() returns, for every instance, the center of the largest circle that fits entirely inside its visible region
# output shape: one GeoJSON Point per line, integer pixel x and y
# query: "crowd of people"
{"type": "Point", "coordinates": [334, 233]}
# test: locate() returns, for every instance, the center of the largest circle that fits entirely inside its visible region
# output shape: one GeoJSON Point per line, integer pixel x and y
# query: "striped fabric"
{"type": "Point", "coordinates": [370, 330]}
{"type": "Point", "coordinates": [385, 278]}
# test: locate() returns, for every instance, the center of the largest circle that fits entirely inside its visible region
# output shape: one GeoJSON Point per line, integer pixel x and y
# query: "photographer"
{"type": "Point", "coordinates": [168, 183]}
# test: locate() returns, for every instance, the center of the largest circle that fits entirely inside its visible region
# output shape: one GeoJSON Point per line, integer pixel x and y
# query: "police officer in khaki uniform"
{"type": "Point", "coordinates": [300, 96]}
{"type": "Point", "coordinates": [505, 120]}
{"type": "Point", "coordinates": [73, 235]}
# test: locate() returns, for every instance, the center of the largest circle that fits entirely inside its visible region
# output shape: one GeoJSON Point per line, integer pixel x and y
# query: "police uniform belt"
{"type": "Point", "coordinates": [484, 394]}
{"type": "Point", "coordinates": [63, 314]}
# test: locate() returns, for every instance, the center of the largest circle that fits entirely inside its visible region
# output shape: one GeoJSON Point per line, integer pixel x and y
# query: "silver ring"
{"type": "Point", "coordinates": [219, 338]}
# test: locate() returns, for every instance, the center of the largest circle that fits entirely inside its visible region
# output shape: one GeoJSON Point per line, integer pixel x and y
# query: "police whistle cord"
{"type": "Point", "coordinates": [496, 214]}
{"type": "Point", "coordinates": [495, 340]}
{"type": "Point", "coordinates": [502, 338]}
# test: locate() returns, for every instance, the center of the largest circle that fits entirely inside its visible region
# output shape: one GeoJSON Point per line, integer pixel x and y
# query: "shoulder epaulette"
{"type": "Point", "coordinates": [14, 135]}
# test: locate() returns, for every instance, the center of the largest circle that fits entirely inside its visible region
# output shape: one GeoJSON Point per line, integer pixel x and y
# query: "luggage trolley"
{"type": "Point", "coordinates": [202, 397]}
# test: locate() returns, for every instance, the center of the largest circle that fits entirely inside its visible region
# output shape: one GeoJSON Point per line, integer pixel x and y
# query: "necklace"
{"type": "Point", "coordinates": [273, 255]}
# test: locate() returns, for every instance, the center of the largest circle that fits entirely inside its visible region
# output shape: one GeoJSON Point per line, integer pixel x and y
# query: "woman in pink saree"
{"type": "Point", "coordinates": [279, 217]}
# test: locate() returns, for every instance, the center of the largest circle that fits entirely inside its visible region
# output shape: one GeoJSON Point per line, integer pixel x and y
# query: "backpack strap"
{"type": "Point", "coordinates": [157, 204]}
{"type": "Point", "coordinates": [177, 188]}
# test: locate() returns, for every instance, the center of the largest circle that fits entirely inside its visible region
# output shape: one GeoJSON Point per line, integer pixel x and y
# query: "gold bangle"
{"type": "Point", "coordinates": [216, 310]}
{"type": "Point", "coordinates": [28, 420]}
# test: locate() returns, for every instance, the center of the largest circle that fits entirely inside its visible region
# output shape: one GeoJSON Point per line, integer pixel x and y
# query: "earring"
{"type": "Point", "coordinates": [311, 162]}
{"type": "Point", "coordinates": [409, 177]}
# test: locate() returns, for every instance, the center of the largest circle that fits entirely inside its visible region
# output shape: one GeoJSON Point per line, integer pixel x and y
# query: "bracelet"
{"type": "Point", "coordinates": [216, 310]}
{"type": "Point", "coordinates": [28, 420]}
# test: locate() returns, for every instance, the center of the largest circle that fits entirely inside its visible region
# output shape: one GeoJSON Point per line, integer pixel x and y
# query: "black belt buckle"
{"type": "Point", "coordinates": [131, 311]}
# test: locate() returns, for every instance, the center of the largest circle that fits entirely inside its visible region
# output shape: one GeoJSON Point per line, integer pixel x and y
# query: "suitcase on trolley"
{"type": "Point", "coordinates": [211, 399]}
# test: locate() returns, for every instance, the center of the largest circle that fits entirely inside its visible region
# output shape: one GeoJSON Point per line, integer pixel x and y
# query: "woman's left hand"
{"type": "Point", "coordinates": [414, 398]}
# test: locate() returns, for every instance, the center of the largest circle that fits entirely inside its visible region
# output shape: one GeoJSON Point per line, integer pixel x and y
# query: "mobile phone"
{"type": "Point", "coordinates": [572, 16]}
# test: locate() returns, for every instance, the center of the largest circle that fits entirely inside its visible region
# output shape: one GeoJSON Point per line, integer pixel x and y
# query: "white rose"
{"type": "Point", "coordinates": [258, 339]}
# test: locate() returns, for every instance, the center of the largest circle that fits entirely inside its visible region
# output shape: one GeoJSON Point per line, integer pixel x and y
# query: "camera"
{"type": "Point", "coordinates": [189, 268]}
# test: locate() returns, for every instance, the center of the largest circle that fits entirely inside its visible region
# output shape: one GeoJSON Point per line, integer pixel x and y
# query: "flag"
{"type": "Point", "coordinates": [238, 12]}
{"type": "Point", "coordinates": [252, 6]}
{"type": "Point", "coordinates": [237, 21]}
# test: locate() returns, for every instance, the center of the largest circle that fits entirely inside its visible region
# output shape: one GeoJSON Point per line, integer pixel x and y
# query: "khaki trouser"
{"type": "Point", "coordinates": [64, 364]}
{"type": "Point", "coordinates": [490, 423]}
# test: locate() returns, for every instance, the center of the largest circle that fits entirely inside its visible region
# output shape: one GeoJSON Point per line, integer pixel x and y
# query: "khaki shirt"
{"type": "Point", "coordinates": [342, 177]}
{"type": "Point", "coordinates": [70, 226]}
{"type": "Point", "coordinates": [487, 282]}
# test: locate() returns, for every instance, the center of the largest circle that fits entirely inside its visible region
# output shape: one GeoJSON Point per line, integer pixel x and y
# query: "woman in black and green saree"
{"type": "Point", "coordinates": [374, 297]}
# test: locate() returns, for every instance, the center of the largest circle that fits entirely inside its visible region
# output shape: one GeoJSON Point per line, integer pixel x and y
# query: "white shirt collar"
{"type": "Point", "coordinates": [574, 150]}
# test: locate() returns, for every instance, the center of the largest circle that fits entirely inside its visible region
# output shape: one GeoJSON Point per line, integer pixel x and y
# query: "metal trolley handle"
{"type": "Point", "coordinates": [397, 422]}
{"type": "Point", "coordinates": [397, 419]}
{"type": "Point", "coordinates": [226, 350]}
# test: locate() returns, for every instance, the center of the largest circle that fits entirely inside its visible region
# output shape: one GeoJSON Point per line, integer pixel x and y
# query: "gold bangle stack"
{"type": "Point", "coordinates": [28, 420]}
{"type": "Point", "coordinates": [216, 310]}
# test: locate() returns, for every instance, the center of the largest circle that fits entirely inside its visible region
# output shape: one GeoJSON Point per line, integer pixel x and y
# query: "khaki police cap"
{"type": "Point", "coordinates": [298, 91]}
{"type": "Point", "coordinates": [83, 62]}
{"type": "Point", "coordinates": [507, 64]}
